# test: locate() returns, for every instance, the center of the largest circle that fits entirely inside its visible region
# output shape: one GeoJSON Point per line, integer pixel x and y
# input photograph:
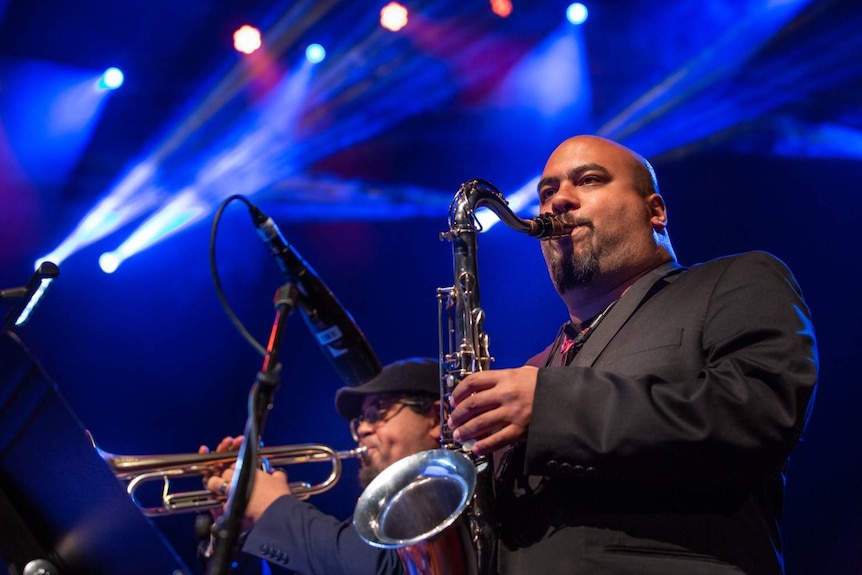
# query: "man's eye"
{"type": "Point", "coordinates": [545, 194]}
{"type": "Point", "coordinates": [590, 179]}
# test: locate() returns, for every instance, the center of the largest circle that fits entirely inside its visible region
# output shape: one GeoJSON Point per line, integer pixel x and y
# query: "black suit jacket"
{"type": "Point", "coordinates": [662, 447]}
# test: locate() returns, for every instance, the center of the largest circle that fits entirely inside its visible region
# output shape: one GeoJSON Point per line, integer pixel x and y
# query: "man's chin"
{"type": "Point", "coordinates": [574, 272]}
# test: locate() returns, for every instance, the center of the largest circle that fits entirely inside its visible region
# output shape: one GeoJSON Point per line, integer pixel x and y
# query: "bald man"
{"type": "Point", "coordinates": [651, 436]}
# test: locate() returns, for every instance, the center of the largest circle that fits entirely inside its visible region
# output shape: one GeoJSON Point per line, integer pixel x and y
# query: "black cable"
{"type": "Point", "coordinates": [218, 287]}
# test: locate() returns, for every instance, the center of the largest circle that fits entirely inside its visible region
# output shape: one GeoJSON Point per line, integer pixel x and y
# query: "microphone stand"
{"type": "Point", "coordinates": [260, 402]}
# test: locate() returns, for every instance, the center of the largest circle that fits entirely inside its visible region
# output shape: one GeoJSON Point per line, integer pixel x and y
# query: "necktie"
{"type": "Point", "coordinates": [572, 344]}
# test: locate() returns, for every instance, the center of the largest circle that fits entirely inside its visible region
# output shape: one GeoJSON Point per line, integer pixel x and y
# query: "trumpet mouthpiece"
{"type": "Point", "coordinates": [356, 453]}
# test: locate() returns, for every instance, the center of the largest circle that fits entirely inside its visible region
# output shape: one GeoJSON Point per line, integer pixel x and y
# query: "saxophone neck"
{"type": "Point", "coordinates": [474, 194]}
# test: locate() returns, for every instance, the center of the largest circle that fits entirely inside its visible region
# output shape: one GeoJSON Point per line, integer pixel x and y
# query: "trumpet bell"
{"type": "Point", "coordinates": [415, 499]}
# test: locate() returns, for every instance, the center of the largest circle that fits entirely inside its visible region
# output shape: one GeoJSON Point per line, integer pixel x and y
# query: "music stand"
{"type": "Point", "coordinates": [58, 499]}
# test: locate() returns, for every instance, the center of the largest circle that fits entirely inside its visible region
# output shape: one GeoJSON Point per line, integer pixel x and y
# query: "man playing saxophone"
{"type": "Point", "coordinates": [651, 436]}
{"type": "Point", "coordinates": [393, 415]}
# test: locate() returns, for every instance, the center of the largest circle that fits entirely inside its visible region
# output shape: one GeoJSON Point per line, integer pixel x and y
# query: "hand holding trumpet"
{"type": "Point", "coordinates": [268, 486]}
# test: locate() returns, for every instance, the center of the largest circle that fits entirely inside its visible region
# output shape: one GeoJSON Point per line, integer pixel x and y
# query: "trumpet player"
{"type": "Point", "coordinates": [393, 415]}
{"type": "Point", "coordinates": [651, 436]}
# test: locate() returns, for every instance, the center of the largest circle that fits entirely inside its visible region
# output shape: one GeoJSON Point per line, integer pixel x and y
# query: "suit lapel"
{"type": "Point", "coordinates": [638, 293]}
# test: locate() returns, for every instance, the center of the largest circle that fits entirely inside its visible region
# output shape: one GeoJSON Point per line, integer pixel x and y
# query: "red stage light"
{"type": "Point", "coordinates": [501, 8]}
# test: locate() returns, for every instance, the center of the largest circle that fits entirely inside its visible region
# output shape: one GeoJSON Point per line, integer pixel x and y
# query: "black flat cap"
{"type": "Point", "coordinates": [412, 376]}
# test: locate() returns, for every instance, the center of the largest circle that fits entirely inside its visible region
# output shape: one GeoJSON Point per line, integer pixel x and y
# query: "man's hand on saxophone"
{"type": "Point", "coordinates": [493, 407]}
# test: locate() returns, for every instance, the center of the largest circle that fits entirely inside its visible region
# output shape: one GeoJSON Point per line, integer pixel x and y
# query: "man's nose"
{"type": "Point", "coordinates": [565, 200]}
{"type": "Point", "coordinates": [364, 429]}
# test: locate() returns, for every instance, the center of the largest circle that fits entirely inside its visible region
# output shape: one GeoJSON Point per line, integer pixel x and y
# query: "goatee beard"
{"type": "Point", "coordinates": [576, 272]}
{"type": "Point", "coordinates": [367, 473]}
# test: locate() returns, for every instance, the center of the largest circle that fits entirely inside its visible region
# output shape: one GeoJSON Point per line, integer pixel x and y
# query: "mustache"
{"type": "Point", "coordinates": [573, 220]}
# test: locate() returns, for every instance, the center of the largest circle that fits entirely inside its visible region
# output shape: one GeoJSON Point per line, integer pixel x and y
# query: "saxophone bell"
{"type": "Point", "coordinates": [422, 496]}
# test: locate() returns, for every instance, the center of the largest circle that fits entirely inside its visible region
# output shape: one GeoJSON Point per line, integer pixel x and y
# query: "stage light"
{"type": "Point", "coordinates": [246, 39]}
{"type": "Point", "coordinates": [222, 149]}
{"type": "Point", "coordinates": [111, 79]}
{"type": "Point", "coordinates": [502, 8]}
{"type": "Point", "coordinates": [577, 13]}
{"type": "Point", "coordinates": [553, 78]}
{"type": "Point", "coordinates": [47, 119]}
{"type": "Point", "coordinates": [393, 16]}
{"type": "Point", "coordinates": [109, 262]}
{"type": "Point", "coordinates": [315, 53]}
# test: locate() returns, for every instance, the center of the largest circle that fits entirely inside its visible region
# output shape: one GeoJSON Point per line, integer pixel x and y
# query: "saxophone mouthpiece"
{"type": "Point", "coordinates": [549, 226]}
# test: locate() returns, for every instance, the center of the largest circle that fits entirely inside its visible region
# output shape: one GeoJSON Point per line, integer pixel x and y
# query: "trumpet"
{"type": "Point", "coordinates": [137, 470]}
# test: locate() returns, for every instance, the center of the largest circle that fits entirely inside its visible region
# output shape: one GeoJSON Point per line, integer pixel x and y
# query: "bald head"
{"type": "Point", "coordinates": [643, 174]}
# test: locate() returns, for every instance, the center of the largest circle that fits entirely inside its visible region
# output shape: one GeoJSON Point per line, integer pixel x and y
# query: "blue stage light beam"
{"type": "Point", "coordinates": [135, 196]}
{"type": "Point", "coordinates": [183, 210]}
{"type": "Point", "coordinates": [263, 146]}
{"type": "Point", "coordinates": [272, 153]}
{"type": "Point", "coordinates": [137, 193]}
{"type": "Point", "coordinates": [238, 167]}
{"type": "Point", "coordinates": [747, 105]}
{"type": "Point", "coordinates": [818, 141]}
{"type": "Point", "coordinates": [49, 113]}
{"type": "Point", "coordinates": [711, 95]}
{"type": "Point", "coordinates": [553, 79]}
{"type": "Point", "coordinates": [758, 22]}
{"type": "Point", "coordinates": [371, 80]}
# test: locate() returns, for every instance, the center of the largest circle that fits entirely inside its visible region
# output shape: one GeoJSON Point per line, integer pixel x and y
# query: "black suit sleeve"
{"type": "Point", "coordinates": [295, 535]}
{"type": "Point", "coordinates": [709, 382]}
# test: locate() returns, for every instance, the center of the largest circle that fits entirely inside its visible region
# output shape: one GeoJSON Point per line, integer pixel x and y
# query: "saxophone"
{"type": "Point", "coordinates": [436, 508]}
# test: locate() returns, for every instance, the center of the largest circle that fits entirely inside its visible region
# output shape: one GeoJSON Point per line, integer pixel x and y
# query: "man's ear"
{"type": "Point", "coordinates": [435, 421]}
{"type": "Point", "coordinates": [657, 210]}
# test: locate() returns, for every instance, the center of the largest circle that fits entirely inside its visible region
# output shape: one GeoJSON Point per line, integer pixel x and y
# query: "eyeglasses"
{"type": "Point", "coordinates": [381, 412]}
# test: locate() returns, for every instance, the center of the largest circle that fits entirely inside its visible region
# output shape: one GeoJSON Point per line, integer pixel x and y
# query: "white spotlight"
{"type": "Point", "coordinates": [109, 262]}
{"type": "Point", "coordinates": [393, 16]}
{"type": "Point", "coordinates": [577, 13]}
{"type": "Point", "coordinates": [247, 39]}
{"type": "Point", "coordinates": [315, 53]}
{"type": "Point", "coordinates": [111, 79]}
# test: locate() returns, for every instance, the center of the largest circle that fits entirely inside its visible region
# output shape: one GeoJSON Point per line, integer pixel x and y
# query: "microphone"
{"type": "Point", "coordinates": [26, 298]}
{"type": "Point", "coordinates": [337, 335]}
